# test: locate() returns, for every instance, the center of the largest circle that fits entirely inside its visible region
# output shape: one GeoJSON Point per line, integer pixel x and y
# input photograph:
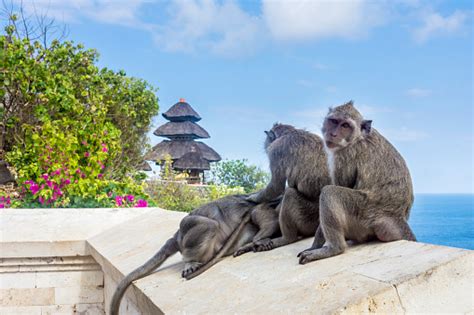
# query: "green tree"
{"type": "Point", "coordinates": [70, 129]}
{"type": "Point", "coordinates": [239, 173]}
{"type": "Point", "coordinates": [61, 85]}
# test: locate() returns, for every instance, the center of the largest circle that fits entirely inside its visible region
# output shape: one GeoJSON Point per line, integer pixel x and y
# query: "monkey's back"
{"type": "Point", "coordinates": [304, 160]}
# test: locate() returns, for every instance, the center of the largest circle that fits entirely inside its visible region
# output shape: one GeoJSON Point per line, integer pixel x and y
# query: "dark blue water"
{"type": "Point", "coordinates": [444, 219]}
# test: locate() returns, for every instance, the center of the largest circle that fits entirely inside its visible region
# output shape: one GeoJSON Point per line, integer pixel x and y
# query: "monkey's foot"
{"type": "Point", "coordinates": [244, 249]}
{"type": "Point", "coordinates": [190, 267]}
{"type": "Point", "coordinates": [310, 255]}
{"type": "Point", "coordinates": [263, 245]}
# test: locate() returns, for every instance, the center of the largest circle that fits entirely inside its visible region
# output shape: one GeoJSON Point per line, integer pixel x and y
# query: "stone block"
{"type": "Point", "coordinates": [26, 297]}
{"type": "Point", "coordinates": [79, 295]}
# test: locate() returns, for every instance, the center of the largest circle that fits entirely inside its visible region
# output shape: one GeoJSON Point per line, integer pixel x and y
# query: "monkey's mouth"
{"type": "Point", "coordinates": [331, 145]}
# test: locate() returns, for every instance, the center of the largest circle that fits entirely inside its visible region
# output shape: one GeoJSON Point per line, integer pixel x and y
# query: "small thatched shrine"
{"type": "Point", "coordinates": [188, 155]}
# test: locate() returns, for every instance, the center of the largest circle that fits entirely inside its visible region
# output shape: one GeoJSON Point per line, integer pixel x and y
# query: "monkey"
{"type": "Point", "coordinates": [297, 158]}
{"type": "Point", "coordinates": [209, 232]}
{"type": "Point", "coordinates": [371, 193]}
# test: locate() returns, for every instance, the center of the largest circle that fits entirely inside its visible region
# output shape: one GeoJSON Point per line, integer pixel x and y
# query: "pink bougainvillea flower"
{"type": "Point", "coordinates": [56, 172]}
{"type": "Point", "coordinates": [141, 203]}
{"type": "Point", "coordinates": [84, 142]}
{"type": "Point", "coordinates": [87, 154]}
{"type": "Point", "coordinates": [118, 200]}
{"type": "Point", "coordinates": [45, 176]}
{"type": "Point", "coordinates": [130, 198]}
{"type": "Point", "coordinates": [34, 189]}
{"type": "Point", "coordinates": [41, 200]}
{"type": "Point", "coordinates": [49, 183]}
{"type": "Point", "coordinates": [2, 206]}
{"type": "Point", "coordinates": [104, 149]}
{"type": "Point", "coordinates": [67, 181]}
{"type": "Point", "coordinates": [100, 176]}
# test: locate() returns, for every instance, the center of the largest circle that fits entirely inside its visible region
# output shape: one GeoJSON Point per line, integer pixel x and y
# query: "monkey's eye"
{"type": "Point", "coordinates": [333, 121]}
{"type": "Point", "coordinates": [345, 125]}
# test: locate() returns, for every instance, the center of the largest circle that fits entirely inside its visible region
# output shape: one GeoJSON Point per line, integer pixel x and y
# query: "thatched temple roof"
{"type": "Point", "coordinates": [192, 161]}
{"type": "Point", "coordinates": [181, 111]}
{"type": "Point", "coordinates": [176, 149]}
{"type": "Point", "coordinates": [187, 129]}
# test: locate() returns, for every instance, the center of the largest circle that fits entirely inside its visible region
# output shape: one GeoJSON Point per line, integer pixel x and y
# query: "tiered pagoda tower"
{"type": "Point", "coordinates": [188, 155]}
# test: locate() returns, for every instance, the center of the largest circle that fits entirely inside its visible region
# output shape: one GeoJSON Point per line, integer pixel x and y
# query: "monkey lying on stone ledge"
{"type": "Point", "coordinates": [209, 232]}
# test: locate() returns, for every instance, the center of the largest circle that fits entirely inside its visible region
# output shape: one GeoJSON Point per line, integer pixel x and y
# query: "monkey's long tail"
{"type": "Point", "coordinates": [224, 249]}
{"type": "Point", "coordinates": [170, 248]}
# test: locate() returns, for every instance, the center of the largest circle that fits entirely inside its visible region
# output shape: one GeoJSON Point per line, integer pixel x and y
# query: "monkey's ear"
{"type": "Point", "coordinates": [366, 126]}
{"type": "Point", "coordinates": [270, 135]}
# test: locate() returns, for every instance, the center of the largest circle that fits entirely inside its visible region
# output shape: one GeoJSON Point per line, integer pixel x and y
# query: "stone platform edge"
{"type": "Point", "coordinates": [400, 277]}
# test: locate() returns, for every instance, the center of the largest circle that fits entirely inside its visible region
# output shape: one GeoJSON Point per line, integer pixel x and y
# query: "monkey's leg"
{"type": "Point", "coordinates": [393, 229]}
{"type": "Point", "coordinates": [335, 204]}
{"type": "Point", "coordinates": [290, 220]}
{"type": "Point", "coordinates": [198, 241]}
{"type": "Point", "coordinates": [266, 218]}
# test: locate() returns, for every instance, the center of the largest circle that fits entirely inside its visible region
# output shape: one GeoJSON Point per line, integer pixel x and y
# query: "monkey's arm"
{"type": "Point", "coordinates": [275, 188]}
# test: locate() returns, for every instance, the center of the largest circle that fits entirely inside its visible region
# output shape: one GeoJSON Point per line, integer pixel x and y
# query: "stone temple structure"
{"type": "Point", "coordinates": [188, 155]}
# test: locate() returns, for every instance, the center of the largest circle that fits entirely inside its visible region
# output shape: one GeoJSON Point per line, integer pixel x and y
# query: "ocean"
{"type": "Point", "coordinates": [444, 219]}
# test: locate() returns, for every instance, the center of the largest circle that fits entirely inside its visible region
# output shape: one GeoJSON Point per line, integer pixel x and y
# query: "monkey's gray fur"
{"type": "Point", "coordinates": [372, 191]}
{"type": "Point", "coordinates": [297, 158]}
{"type": "Point", "coordinates": [209, 232]}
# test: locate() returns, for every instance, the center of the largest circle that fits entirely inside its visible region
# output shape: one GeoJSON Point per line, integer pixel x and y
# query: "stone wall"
{"type": "Point", "coordinates": [51, 285]}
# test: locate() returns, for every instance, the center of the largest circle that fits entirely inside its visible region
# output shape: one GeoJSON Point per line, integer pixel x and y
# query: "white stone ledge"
{"type": "Point", "coordinates": [398, 277]}
{"type": "Point", "coordinates": [55, 232]}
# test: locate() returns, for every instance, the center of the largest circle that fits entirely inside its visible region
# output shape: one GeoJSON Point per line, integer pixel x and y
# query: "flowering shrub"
{"type": "Point", "coordinates": [62, 168]}
{"type": "Point", "coordinates": [5, 202]}
{"type": "Point", "coordinates": [72, 131]}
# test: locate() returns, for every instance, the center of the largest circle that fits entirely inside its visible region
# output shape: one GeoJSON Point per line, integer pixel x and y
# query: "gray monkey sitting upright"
{"type": "Point", "coordinates": [372, 191]}
{"type": "Point", "coordinates": [297, 158]}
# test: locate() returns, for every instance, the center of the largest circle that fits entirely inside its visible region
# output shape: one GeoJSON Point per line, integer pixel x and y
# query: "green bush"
{"type": "Point", "coordinates": [73, 132]}
{"type": "Point", "coordinates": [173, 193]}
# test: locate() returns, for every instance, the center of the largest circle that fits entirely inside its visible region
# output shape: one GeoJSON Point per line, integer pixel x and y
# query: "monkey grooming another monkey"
{"type": "Point", "coordinates": [372, 191]}
{"type": "Point", "coordinates": [297, 158]}
{"type": "Point", "coordinates": [206, 234]}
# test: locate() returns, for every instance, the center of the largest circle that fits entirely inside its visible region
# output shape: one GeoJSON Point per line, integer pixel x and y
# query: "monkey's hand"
{"type": "Point", "coordinates": [244, 249]}
{"type": "Point", "coordinates": [190, 267]}
{"type": "Point", "coordinates": [263, 245]}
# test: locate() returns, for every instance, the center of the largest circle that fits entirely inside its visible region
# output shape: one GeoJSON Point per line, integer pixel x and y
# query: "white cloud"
{"type": "Point", "coordinates": [418, 92]}
{"type": "Point", "coordinates": [223, 28]}
{"type": "Point", "coordinates": [313, 19]}
{"type": "Point", "coordinates": [435, 24]}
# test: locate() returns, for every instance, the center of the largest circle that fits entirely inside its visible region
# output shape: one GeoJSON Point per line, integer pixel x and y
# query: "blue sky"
{"type": "Point", "coordinates": [244, 65]}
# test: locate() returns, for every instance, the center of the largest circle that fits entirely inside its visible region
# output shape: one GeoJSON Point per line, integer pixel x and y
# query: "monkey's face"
{"type": "Point", "coordinates": [340, 131]}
